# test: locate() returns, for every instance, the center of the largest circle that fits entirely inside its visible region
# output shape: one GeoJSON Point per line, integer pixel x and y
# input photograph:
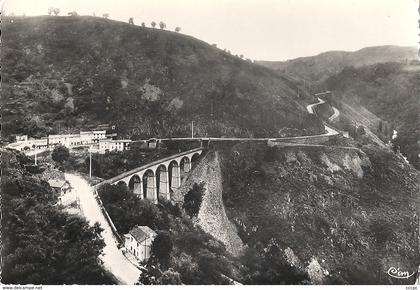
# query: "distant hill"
{"type": "Point", "coordinates": [67, 73]}
{"type": "Point", "coordinates": [319, 67]}
{"type": "Point", "coordinates": [391, 91]}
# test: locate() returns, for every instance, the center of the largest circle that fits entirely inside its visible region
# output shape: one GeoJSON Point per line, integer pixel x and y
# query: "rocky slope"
{"type": "Point", "coordinates": [212, 217]}
{"type": "Point", "coordinates": [336, 215]}
{"type": "Point", "coordinates": [67, 73]}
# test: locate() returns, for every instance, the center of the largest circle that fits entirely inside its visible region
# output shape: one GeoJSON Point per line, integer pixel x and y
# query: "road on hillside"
{"type": "Point", "coordinates": [113, 258]}
{"type": "Point", "coordinates": [330, 131]}
{"type": "Point", "coordinates": [310, 107]}
{"type": "Point", "coordinates": [335, 115]}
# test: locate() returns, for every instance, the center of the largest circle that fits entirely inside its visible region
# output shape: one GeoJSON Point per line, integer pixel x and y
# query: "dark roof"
{"type": "Point", "coordinates": [140, 233]}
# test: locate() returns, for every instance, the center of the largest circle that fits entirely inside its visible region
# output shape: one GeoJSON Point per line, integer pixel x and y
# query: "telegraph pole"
{"type": "Point", "coordinates": [90, 161]}
{"type": "Point", "coordinates": [192, 129]}
{"type": "Point", "coordinates": [35, 158]}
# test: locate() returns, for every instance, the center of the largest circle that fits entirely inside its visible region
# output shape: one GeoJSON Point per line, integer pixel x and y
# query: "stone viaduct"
{"type": "Point", "coordinates": [155, 180]}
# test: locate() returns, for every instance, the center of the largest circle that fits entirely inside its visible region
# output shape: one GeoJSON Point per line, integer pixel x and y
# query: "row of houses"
{"type": "Point", "coordinates": [23, 143]}
{"type": "Point", "coordinates": [83, 138]}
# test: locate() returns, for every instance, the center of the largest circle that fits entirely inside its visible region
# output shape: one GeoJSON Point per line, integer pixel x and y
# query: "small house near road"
{"type": "Point", "coordinates": [138, 242]}
{"type": "Point", "coordinates": [60, 186]}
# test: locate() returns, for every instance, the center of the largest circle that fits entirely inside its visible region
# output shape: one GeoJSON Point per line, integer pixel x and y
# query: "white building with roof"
{"type": "Point", "coordinates": [21, 138]}
{"type": "Point", "coordinates": [138, 242]}
{"type": "Point", "coordinates": [29, 144]}
{"type": "Point", "coordinates": [108, 145]}
{"type": "Point", "coordinates": [67, 140]}
{"type": "Point", "coordinates": [83, 138]}
{"type": "Point", "coordinates": [60, 186]}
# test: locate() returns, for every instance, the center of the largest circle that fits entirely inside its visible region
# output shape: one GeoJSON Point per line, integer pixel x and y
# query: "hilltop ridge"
{"type": "Point", "coordinates": [319, 67]}
{"type": "Point", "coordinates": [64, 73]}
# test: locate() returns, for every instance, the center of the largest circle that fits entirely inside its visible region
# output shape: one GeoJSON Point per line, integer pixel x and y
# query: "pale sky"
{"type": "Point", "coordinates": [260, 29]}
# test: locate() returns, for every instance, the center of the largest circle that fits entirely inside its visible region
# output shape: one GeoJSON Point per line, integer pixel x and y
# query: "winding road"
{"type": "Point", "coordinates": [113, 258]}
{"type": "Point", "coordinates": [330, 131]}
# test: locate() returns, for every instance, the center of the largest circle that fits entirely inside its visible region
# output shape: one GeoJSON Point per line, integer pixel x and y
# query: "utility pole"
{"type": "Point", "coordinates": [35, 158]}
{"type": "Point", "coordinates": [90, 161]}
{"type": "Point", "coordinates": [192, 129]}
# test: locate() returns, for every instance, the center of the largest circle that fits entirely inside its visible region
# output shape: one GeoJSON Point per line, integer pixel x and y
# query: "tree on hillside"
{"type": "Point", "coordinates": [73, 13]}
{"type": "Point", "coordinates": [143, 24]}
{"type": "Point", "coordinates": [192, 200]}
{"type": "Point", "coordinates": [360, 131]}
{"type": "Point", "coordinates": [41, 244]}
{"type": "Point", "coordinates": [162, 25]}
{"type": "Point", "coordinates": [52, 10]}
{"type": "Point", "coordinates": [60, 154]}
{"type": "Point", "coordinates": [177, 29]}
{"type": "Point", "coordinates": [131, 20]}
{"type": "Point", "coordinates": [105, 15]}
{"type": "Point", "coordinates": [127, 210]}
{"type": "Point", "coordinates": [170, 277]}
{"type": "Point", "coordinates": [153, 24]}
{"type": "Point", "coordinates": [162, 247]}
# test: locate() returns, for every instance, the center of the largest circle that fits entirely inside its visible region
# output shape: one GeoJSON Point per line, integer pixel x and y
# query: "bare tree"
{"type": "Point", "coordinates": [105, 15]}
{"type": "Point", "coordinates": [143, 24]}
{"type": "Point", "coordinates": [50, 10]}
{"type": "Point", "coordinates": [131, 20]}
{"type": "Point", "coordinates": [162, 25]}
{"type": "Point", "coordinates": [56, 11]}
{"type": "Point", "coordinates": [153, 24]}
{"type": "Point", "coordinates": [73, 13]}
{"type": "Point", "coordinates": [177, 29]}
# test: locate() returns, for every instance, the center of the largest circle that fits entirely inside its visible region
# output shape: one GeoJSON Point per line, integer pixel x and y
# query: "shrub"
{"type": "Point", "coordinates": [162, 247]}
{"type": "Point", "coordinates": [60, 154]}
{"type": "Point", "coordinates": [192, 200]}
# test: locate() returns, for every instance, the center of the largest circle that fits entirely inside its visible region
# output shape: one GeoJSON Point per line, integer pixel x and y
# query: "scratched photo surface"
{"type": "Point", "coordinates": [202, 142]}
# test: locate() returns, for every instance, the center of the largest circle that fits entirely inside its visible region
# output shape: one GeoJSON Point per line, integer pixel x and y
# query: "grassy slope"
{"type": "Point", "coordinates": [354, 213]}
{"type": "Point", "coordinates": [74, 72]}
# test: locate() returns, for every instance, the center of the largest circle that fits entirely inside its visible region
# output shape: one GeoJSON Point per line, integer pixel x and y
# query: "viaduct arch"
{"type": "Point", "coordinates": [156, 180]}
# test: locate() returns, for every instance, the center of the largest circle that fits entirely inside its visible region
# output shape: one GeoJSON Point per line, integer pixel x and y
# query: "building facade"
{"type": "Point", "coordinates": [29, 144]}
{"type": "Point", "coordinates": [138, 242]}
{"type": "Point", "coordinates": [109, 145]}
{"type": "Point", "coordinates": [83, 138]}
{"type": "Point", "coordinates": [59, 186]}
